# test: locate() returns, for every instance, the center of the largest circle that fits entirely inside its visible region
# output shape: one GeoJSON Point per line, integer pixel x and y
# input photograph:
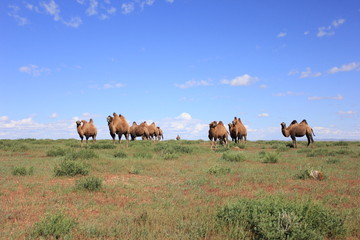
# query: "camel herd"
{"type": "Point", "coordinates": [118, 125]}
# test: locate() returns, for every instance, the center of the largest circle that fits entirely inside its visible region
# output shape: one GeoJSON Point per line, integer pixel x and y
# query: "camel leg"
{"type": "Point", "coordinates": [119, 135]}
{"type": "Point", "coordinates": [127, 139]}
{"type": "Point", "coordinates": [87, 140]}
{"type": "Point", "coordinates": [294, 141]}
{"type": "Point", "coordinates": [113, 137]}
{"type": "Point", "coordinates": [94, 139]}
{"type": "Point", "coordinates": [82, 139]}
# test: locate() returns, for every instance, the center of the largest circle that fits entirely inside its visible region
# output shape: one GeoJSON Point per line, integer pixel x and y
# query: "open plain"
{"type": "Point", "coordinates": [178, 190]}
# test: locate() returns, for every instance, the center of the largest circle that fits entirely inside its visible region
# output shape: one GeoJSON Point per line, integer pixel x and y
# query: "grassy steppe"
{"type": "Point", "coordinates": [178, 190]}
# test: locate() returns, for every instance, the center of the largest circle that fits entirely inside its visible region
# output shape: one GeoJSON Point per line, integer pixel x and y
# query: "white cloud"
{"type": "Point", "coordinates": [33, 70]}
{"type": "Point", "coordinates": [52, 8]}
{"type": "Point", "coordinates": [127, 8]}
{"type": "Point", "coordinates": [185, 126]}
{"type": "Point", "coordinates": [243, 80]}
{"type": "Point", "coordinates": [289, 93]}
{"type": "Point", "coordinates": [184, 116]}
{"type": "Point", "coordinates": [263, 86]}
{"type": "Point", "coordinates": [350, 112]}
{"type": "Point", "coordinates": [14, 12]}
{"type": "Point", "coordinates": [53, 115]}
{"type": "Point", "coordinates": [74, 22]}
{"type": "Point", "coordinates": [293, 72]}
{"type": "Point", "coordinates": [193, 83]}
{"type": "Point", "coordinates": [337, 97]}
{"type": "Point", "coordinates": [308, 73]}
{"type": "Point", "coordinates": [113, 85]}
{"type": "Point", "coordinates": [281, 35]}
{"type": "Point", "coordinates": [92, 10]}
{"type": "Point", "coordinates": [329, 30]}
{"type": "Point", "coordinates": [263, 115]}
{"type": "Point", "coordinates": [345, 68]}
{"type": "Point", "coordinates": [4, 118]}
{"type": "Point", "coordinates": [110, 85]}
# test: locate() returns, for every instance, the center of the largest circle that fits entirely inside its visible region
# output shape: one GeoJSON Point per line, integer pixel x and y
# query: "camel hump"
{"type": "Point", "coordinates": [293, 122]}
{"type": "Point", "coordinates": [91, 120]}
{"type": "Point", "coordinates": [83, 121]}
{"type": "Point", "coordinates": [304, 121]}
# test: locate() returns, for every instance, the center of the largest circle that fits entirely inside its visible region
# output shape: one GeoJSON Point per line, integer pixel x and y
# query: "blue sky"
{"type": "Point", "coordinates": [181, 64]}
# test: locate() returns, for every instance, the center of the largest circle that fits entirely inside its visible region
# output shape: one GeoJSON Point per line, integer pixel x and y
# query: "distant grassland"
{"type": "Point", "coordinates": [178, 190]}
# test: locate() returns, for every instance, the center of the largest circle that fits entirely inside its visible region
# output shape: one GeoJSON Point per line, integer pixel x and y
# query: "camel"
{"type": "Point", "coordinates": [217, 131]}
{"type": "Point", "coordinates": [238, 130]}
{"type": "Point", "coordinates": [161, 135]}
{"type": "Point", "coordinates": [232, 132]}
{"type": "Point", "coordinates": [177, 137]}
{"type": "Point", "coordinates": [118, 125]}
{"type": "Point", "coordinates": [87, 130]}
{"type": "Point", "coordinates": [153, 130]}
{"type": "Point", "coordinates": [139, 131]}
{"type": "Point", "coordinates": [296, 129]}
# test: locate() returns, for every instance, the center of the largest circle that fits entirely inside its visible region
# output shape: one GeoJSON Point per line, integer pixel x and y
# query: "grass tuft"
{"type": "Point", "coordinates": [56, 226]}
{"type": "Point", "coordinates": [22, 171]}
{"type": "Point", "coordinates": [71, 168]}
{"type": "Point", "coordinates": [89, 183]}
{"type": "Point", "coordinates": [272, 218]}
{"type": "Point", "coordinates": [233, 156]}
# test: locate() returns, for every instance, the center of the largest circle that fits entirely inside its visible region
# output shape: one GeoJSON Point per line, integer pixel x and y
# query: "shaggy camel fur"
{"type": "Point", "coordinates": [238, 130]}
{"type": "Point", "coordinates": [153, 130]}
{"type": "Point", "coordinates": [218, 131]}
{"type": "Point", "coordinates": [87, 130]}
{"type": "Point", "coordinates": [161, 135]}
{"type": "Point", "coordinates": [178, 137]}
{"type": "Point", "coordinates": [118, 125]}
{"type": "Point", "coordinates": [139, 131]}
{"type": "Point", "coordinates": [298, 130]}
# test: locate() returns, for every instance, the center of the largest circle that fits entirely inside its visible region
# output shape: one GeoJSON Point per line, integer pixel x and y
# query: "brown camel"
{"type": "Point", "coordinates": [139, 131]}
{"type": "Point", "coordinates": [161, 135]}
{"type": "Point", "coordinates": [153, 130]}
{"type": "Point", "coordinates": [87, 130]}
{"type": "Point", "coordinates": [298, 130]}
{"type": "Point", "coordinates": [232, 132]}
{"type": "Point", "coordinates": [218, 131]}
{"type": "Point", "coordinates": [118, 125]}
{"type": "Point", "coordinates": [239, 130]}
{"type": "Point", "coordinates": [177, 137]}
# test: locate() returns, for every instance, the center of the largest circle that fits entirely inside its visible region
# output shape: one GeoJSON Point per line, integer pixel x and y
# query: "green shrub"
{"type": "Point", "coordinates": [89, 183]}
{"type": "Point", "coordinates": [233, 156]}
{"type": "Point", "coordinates": [319, 152]}
{"type": "Point", "coordinates": [22, 171]}
{"type": "Point", "coordinates": [120, 155]}
{"type": "Point", "coordinates": [168, 156]}
{"type": "Point", "coordinates": [270, 157]}
{"type": "Point", "coordinates": [56, 152]}
{"type": "Point", "coordinates": [219, 170]}
{"type": "Point", "coordinates": [143, 155]}
{"type": "Point", "coordinates": [101, 146]}
{"type": "Point", "coordinates": [332, 160]}
{"type": "Point", "coordinates": [173, 148]}
{"type": "Point", "coordinates": [341, 143]}
{"type": "Point", "coordinates": [56, 226]}
{"type": "Point", "coordinates": [71, 168]}
{"type": "Point", "coordinates": [134, 170]}
{"type": "Point", "coordinates": [82, 154]}
{"type": "Point", "coordinates": [272, 218]}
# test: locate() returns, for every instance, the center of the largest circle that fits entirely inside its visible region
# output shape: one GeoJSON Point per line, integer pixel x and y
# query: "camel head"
{"type": "Point", "coordinates": [213, 124]}
{"type": "Point", "coordinates": [283, 125]}
{"type": "Point", "coordinates": [78, 123]}
{"type": "Point", "coordinates": [109, 119]}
